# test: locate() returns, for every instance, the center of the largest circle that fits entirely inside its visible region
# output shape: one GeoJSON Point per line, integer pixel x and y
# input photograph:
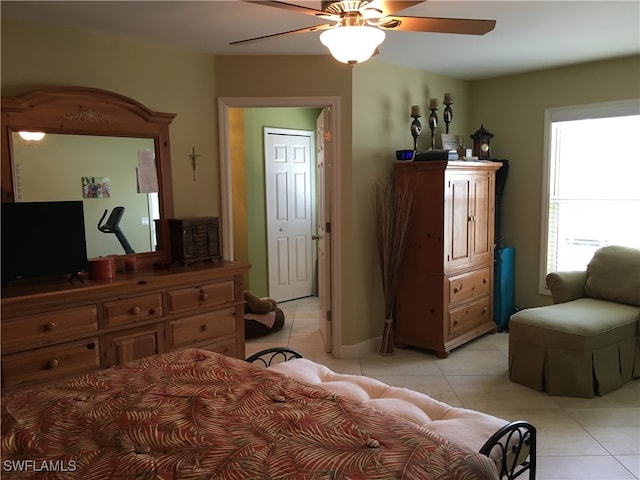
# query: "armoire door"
{"type": "Point", "coordinates": [457, 222]}
{"type": "Point", "coordinates": [482, 218]}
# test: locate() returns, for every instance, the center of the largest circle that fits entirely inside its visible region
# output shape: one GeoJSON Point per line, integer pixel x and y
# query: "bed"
{"type": "Point", "coordinates": [194, 414]}
{"type": "Point", "coordinates": [511, 445]}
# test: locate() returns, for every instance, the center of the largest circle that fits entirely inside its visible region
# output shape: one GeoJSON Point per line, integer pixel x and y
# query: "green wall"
{"type": "Point", "coordinates": [163, 79]}
{"type": "Point", "coordinates": [512, 108]}
{"type": "Point", "coordinates": [382, 98]}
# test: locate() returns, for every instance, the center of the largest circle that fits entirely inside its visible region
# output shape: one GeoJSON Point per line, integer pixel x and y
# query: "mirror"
{"type": "Point", "coordinates": [101, 148]}
{"type": "Point", "coordinates": [100, 171]}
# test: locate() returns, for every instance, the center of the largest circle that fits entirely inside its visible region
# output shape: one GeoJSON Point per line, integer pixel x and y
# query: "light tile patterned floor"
{"type": "Point", "coordinates": [578, 438]}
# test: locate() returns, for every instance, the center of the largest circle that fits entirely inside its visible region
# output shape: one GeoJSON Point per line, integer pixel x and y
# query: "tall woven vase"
{"type": "Point", "coordinates": [393, 210]}
{"type": "Point", "coordinates": [386, 346]}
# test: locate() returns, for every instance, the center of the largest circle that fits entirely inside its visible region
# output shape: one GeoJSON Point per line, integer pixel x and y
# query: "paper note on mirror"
{"type": "Point", "coordinates": [146, 159]}
{"type": "Point", "coordinates": [147, 179]}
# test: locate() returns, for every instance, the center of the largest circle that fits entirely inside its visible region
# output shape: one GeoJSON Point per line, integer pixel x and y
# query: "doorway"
{"type": "Point", "coordinates": [331, 268]}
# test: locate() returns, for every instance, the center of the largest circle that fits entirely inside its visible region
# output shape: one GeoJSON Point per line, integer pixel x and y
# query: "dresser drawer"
{"type": "Point", "coordinates": [187, 299]}
{"type": "Point", "coordinates": [203, 327]}
{"type": "Point", "coordinates": [226, 347]}
{"type": "Point", "coordinates": [133, 344]}
{"type": "Point", "coordinates": [468, 285]}
{"type": "Point", "coordinates": [48, 363]}
{"type": "Point", "coordinates": [42, 328]}
{"type": "Point", "coordinates": [131, 310]}
{"type": "Point", "coordinates": [466, 317]}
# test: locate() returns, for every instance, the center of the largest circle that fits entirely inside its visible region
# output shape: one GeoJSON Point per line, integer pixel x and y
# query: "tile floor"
{"type": "Point", "coordinates": [578, 438]}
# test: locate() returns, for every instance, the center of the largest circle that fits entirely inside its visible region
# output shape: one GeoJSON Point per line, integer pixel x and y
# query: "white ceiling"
{"type": "Point", "coordinates": [529, 35]}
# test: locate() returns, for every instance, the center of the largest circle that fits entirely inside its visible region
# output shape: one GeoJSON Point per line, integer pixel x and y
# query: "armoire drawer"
{"type": "Point", "coordinates": [202, 327]}
{"type": "Point", "coordinates": [211, 295]}
{"type": "Point", "coordinates": [466, 317]}
{"type": "Point", "coordinates": [131, 310]}
{"type": "Point", "coordinates": [47, 363]}
{"type": "Point", "coordinates": [44, 328]}
{"type": "Point", "coordinates": [468, 285]}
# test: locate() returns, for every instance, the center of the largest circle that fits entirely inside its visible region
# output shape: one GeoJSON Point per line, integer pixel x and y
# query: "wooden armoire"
{"type": "Point", "coordinates": [445, 290]}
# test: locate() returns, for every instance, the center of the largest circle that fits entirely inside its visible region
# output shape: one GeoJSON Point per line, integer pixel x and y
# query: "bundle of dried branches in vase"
{"type": "Point", "coordinates": [393, 211]}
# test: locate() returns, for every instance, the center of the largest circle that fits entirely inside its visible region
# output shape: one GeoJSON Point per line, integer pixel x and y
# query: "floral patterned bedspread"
{"type": "Point", "coordinates": [194, 414]}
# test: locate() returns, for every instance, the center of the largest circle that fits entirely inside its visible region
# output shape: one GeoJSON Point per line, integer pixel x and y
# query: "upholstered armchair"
{"type": "Point", "coordinates": [587, 342]}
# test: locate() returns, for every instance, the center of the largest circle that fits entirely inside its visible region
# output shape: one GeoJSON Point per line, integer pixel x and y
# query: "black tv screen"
{"type": "Point", "coordinates": [42, 239]}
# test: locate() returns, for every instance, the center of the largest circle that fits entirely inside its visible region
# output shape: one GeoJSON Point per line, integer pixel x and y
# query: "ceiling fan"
{"type": "Point", "coordinates": [359, 25]}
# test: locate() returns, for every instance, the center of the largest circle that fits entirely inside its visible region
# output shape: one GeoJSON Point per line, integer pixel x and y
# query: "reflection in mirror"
{"type": "Point", "coordinates": [102, 171]}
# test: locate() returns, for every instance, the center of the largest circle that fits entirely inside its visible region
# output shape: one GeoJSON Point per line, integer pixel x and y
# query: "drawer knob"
{"type": "Point", "coordinates": [456, 321]}
{"type": "Point", "coordinates": [204, 327]}
{"type": "Point", "coordinates": [135, 310]}
{"type": "Point", "coordinates": [203, 296]}
{"type": "Point", "coordinates": [485, 280]}
{"type": "Point", "coordinates": [50, 327]}
{"type": "Point", "coordinates": [52, 363]}
{"type": "Point", "coordinates": [457, 289]}
{"type": "Point", "coordinates": [484, 310]}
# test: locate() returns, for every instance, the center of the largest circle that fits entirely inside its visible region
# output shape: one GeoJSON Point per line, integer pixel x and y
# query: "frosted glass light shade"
{"type": "Point", "coordinates": [352, 44]}
{"type": "Point", "coordinates": [31, 136]}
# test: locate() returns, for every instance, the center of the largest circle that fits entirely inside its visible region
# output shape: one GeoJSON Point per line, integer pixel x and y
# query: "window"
{"type": "Point", "coordinates": [591, 183]}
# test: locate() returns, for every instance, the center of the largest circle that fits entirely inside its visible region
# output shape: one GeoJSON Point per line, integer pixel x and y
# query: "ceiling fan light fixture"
{"type": "Point", "coordinates": [352, 44]}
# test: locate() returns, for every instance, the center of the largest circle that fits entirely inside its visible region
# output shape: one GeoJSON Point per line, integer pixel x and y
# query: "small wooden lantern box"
{"type": "Point", "coordinates": [195, 239]}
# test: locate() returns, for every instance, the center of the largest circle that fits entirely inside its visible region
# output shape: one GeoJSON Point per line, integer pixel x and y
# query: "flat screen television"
{"type": "Point", "coordinates": [42, 239]}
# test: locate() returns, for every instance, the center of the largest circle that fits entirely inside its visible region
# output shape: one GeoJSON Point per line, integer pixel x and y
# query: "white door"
{"type": "Point", "coordinates": [323, 208]}
{"type": "Point", "coordinates": [288, 171]}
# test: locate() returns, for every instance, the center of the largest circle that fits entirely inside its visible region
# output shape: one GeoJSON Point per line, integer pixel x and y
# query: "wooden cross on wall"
{"type": "Point", "coordinates": [193, 155]}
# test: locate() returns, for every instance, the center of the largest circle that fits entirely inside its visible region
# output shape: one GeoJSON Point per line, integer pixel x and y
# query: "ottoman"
{"type": "Point", "coordinates": [581, 348]}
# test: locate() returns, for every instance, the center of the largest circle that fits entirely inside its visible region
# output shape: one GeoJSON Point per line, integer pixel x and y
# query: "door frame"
{"type": "Point", "coordinates": [333, 104]}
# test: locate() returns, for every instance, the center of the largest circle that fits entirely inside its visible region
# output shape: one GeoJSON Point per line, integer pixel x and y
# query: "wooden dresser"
{"type": "Point", "coordinates": [445, 287]}
{"type": "Point", "coordinates": [56, 329]}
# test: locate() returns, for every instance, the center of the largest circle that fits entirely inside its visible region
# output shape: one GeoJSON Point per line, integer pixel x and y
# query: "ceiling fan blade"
{"type": "Point", "coordinates": [295, 8]}
{"type": "Point", "coordinates": [438, 25]}
{"type": "Point", "coordinates": [273, 35]}
{"type": "Point", "coordinates": [389, 7]}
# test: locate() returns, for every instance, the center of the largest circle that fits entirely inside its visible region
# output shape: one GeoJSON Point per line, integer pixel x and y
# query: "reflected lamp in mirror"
{"type": "Point", "coordinates": [31, 136]}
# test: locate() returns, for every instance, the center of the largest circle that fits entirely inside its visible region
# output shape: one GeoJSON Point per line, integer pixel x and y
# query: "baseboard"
{"type": "Point", "coordinates": [361, 349]}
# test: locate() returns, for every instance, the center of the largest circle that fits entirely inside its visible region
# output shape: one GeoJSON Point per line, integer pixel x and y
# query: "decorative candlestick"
{"type": "Point", "coordinates": [433, 121]}
{"type": "Point", "coordinates": [416, 126]}
{"type": "Point", "coordinates": [447, 114]}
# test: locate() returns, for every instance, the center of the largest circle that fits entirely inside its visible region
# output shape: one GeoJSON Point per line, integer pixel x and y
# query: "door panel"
{"type": "Point", "coordinates": [281, 196]}
{"type": "Point", "coordinates": [282, 263]}
{"type": "Point", "coordinates": [459, 218]}
{"type": "Point", "coordinates": [482, 218]}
